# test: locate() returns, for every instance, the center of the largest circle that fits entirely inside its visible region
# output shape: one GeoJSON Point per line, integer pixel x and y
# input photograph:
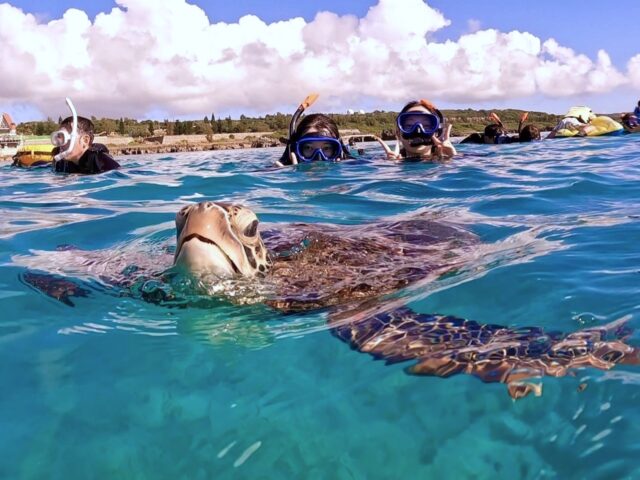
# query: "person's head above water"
{"type": "Point", "coordinates": [416, 125]}
{"type": "Point", "coordinates": [529, 133]}
{"type": "Point", "coordinates": [314, 138]}
{"type": "Point", "coordinates": [581, 113]}
{"type": "Point", "coordinates": [494, 132]}
{"type": "Point", "coordinates": [62, 138]}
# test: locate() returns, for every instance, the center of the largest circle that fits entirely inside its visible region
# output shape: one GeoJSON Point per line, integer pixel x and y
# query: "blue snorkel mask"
{"type": "Point", "coordinates": [414, 124]}
{"type": "Point", "coordinates": [312, 148]}
{"type": "Point", "coordinates": [315, 146]}
{"type": "Point", "coordinates": [501, 138]}
{"type": "Point", "coordinates": [632, 121]}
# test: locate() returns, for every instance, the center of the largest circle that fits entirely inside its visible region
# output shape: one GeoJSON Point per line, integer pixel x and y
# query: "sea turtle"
{"type": "Point", "coordinates": [351, 271]}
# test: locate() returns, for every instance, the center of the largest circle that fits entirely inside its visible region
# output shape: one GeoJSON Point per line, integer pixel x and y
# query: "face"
{"type": "Point", "coordinates": [83, 142]}
{"type": "Point", "coordinates": [304, 151]}
{"type": "Point", "coordinates": [415, 147]}
{"type": "Point", "coordinates": [219, 239]}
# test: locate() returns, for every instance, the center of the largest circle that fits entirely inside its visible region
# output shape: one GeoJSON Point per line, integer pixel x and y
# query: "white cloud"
{"type": "Point", "coordinates": [167, 55]}
{"type": "Point", "coordinates": [634, 71]}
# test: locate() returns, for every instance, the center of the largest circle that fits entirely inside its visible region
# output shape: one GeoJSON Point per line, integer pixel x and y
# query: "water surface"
{"type": "Point", "coordinates": [120, 388]}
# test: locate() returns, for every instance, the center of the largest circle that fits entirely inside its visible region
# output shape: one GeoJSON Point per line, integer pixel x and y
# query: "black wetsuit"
{"type": "Point", "coordinates": [473, 138]}
{"type": "Point", "coordinates": [95, 160]}
{"type": "Point", "coordinates": [479, 138]}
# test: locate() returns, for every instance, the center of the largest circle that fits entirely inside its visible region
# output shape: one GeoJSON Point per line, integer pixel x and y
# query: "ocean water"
{"type": "Point", "coordinates": [115, 387]}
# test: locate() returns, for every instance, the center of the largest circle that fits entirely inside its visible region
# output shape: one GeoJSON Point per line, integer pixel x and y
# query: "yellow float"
{"type": "Point", "coordinates": [33, 156]}
{"type": "Point", "coordinates": [593, 126]}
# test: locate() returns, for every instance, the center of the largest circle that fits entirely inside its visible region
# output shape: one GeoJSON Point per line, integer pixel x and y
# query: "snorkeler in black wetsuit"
{"type": "Point", "coordinates": [95, 159]}
{"type": "Point", "coordinates": [496, 133]}
{"type": "Point", "coordinates": [75, 151]}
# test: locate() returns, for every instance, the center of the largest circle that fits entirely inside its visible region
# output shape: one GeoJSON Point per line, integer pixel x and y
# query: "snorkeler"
{"type": "Point", "coordinates": [496, 133]}
{"type": "Point", "coordinates": [75, 151]}
{"type": "Point", "coordinates": [577, 119]}
{"type": "Point", "coordinates": [315, 138]}
{"type": "Point", "coordinates": [422, 134]}
{"type": "Point", "coordinates": [631, 122]}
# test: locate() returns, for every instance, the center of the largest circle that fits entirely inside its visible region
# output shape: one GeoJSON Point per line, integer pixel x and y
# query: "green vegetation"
{"type": "Point", "coordinates": [378, 123]}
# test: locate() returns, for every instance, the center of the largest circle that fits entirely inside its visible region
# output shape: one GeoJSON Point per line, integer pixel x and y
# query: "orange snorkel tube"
{"type": "Point", "coordinates": [306, 103]}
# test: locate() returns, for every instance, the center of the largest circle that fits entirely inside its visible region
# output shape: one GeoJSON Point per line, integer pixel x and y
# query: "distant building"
{"type": "Point", "coordinates": [7, 127]}
{"type": "Point", "coordinates": [350, 111]}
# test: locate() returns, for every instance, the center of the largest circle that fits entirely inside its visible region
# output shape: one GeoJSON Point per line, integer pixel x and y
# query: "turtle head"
{"type": "Point", "coordinates": [219, 239]}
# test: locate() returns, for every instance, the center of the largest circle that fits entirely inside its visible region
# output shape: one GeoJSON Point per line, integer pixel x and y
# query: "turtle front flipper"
{"type": "Point", "coordinates": [446, 345]}
{"type": "Point", "coordinates": [56, 287]}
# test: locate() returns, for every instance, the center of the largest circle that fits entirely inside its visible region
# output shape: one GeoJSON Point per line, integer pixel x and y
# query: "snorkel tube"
{"type": "Point", "coordinates": [306, 103]}
{"type": "Point", "coordinates": [71, 138]}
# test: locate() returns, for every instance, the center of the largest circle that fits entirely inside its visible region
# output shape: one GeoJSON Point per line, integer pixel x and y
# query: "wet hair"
{"type": "Point", "coordinates": [318, 124]}
{"type": "Point", "coordinates": [493, 130]}
{"type": "Point", "coordinates": [529, 133]}
{"type": "Point", "coordinates": [85, 126]}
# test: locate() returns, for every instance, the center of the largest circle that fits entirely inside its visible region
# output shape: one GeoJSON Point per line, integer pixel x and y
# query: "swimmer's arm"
{"type": "Point", "coordinates": [523, 118]}
{"type": "Point", "coordinates": [443, 146]}
{"type": "Point", "coordinates": [390, 153]}
{"type": "Point", "coordinates": [587, 129]}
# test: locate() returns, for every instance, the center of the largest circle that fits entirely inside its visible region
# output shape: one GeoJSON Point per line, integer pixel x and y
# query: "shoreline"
{"type": "Point", "coordinates": [150, 148]}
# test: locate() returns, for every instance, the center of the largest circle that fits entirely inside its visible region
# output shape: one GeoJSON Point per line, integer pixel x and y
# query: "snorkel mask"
{"type": "Point", "coordinates": [419, 127]}
{"type": "Point", "coordinates": [500, 139]}
{"type": "Point", "coordinates": [417, 123]}
{"type": "Point", "coordinates": [312, 148]}
{"type": "Point", "coordinates": [61, 137]}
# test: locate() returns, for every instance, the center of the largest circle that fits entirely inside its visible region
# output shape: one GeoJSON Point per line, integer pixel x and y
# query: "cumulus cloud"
{"type": "Point", "coordinates": [634, 71]}
{"type": "Point", "coordinates": [149, 55]}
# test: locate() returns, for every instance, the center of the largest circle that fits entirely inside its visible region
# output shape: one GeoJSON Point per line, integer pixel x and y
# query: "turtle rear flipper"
{"type": "Point", "coordinates": [54, 286]}
{"type": "Point", "coordinates": [445, 346]}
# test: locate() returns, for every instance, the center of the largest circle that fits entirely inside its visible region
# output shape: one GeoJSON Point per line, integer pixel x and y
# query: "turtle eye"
{"type": "Point", "coordinates": [252, 229]}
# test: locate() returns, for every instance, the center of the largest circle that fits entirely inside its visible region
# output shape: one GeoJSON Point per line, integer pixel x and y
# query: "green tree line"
{"type": "Point", "coordinates": [377, 122]}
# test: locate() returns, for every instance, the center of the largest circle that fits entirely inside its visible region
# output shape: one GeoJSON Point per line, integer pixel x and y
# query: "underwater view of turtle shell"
{"type": "Point", "coordinates": [203, 315]}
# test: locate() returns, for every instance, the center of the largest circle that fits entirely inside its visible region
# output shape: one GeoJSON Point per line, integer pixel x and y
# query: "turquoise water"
{"type": "Point", "coordinates": [119, 388]}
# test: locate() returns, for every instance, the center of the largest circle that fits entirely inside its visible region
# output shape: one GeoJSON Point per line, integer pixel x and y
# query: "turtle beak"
{"type": "Point", "coordinates": [207, 244]}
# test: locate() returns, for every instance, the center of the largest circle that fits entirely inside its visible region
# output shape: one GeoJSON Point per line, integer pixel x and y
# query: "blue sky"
{"type": "Point", "coordinates": [585, 27]}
